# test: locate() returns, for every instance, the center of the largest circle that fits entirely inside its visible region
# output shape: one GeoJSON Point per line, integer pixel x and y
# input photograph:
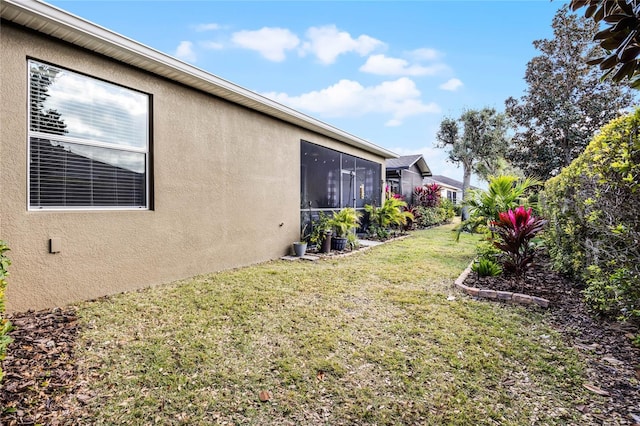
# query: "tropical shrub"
{"type": "Point", "coordinates": [514, 231]}
{"type": "Point", "coordinates": [344, 221]}
{"type": "Point", "coordinates": [430, 216]}
{"type": "Point", "coordinates": [505, 192]}
{"type": "Point", "coordinates": [595, 225]}
{"type": "Point", "coordinates": [427, 195]}
{"type": "Point", "coordinates": [486, 268]}
{"type": "Point", "coordinates": [391, 214]}
{"type": "Point", "coordinates": [5, 325]}
{"type": "Point", "coordinates": [319, 228]}
{"type": "Point", "coordinates": [486, 249]}
{"type": "Point", "coordinates": [449, 208]}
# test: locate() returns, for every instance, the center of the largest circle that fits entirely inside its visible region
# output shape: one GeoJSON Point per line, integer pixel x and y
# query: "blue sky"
{"type": "Point", "coordinates": [386, 71]}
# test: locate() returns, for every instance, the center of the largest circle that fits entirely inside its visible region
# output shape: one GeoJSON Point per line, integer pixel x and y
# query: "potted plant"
{"type": "Point", "coordinates": [300, 247]}
{"type": "Point", "coordinates": [342, 223]}
{"type": "Point", "coordinates": [320, 235]}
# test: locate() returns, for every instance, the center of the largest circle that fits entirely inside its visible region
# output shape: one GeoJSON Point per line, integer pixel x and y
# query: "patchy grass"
{"type": "Point", "coordinates": [368, 339]}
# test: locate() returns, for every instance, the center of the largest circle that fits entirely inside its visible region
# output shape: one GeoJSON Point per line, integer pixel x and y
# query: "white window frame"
{"type": "Point", "coordinates": [87, 142]}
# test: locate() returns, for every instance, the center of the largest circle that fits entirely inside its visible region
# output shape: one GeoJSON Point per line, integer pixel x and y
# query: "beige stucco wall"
{"type": "Point", "coordinates": [224, 179]}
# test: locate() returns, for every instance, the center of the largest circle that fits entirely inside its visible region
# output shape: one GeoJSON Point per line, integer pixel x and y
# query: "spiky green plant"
{"type": "Point", "coordinates": [504, 193]}
{"type": "Point", "coordinates": [486, 268]}
{"type": "Point", "coordinates": [344, 221]}
{"type": "Point", "coordinates": [392, 212]}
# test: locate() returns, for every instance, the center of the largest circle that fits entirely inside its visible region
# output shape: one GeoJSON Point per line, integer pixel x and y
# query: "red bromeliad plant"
{"type": "Point", "coordinates": [514, 230]}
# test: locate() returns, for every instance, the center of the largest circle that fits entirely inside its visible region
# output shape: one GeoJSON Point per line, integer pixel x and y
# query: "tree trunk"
{"type": "Point", "coordinates": [466, 185]}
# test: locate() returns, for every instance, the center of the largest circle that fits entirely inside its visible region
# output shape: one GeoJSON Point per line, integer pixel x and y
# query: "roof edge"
{"type": "Point", "coordinates": [39, 16]}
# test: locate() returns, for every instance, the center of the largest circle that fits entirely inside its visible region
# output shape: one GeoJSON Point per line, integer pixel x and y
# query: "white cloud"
{"type": "Point", "coordinates": [271, 43]}
{"type": "Point", "coordinates": [185, 51]}
{"type": "Point", "coordinates": [425, 54]}
{"type": "Point", "coordinates": [327, 43]}
{"type": "Point", "coordinates": [207, 27]}
{"type": "Point", "coordinates": [211, 45]}
{"type": "Point", "coordinates": [384, 65]}
{"type": "Point", "coordinates": [451, 85]}
{"type": "Point", "coordinates": [347, 98]}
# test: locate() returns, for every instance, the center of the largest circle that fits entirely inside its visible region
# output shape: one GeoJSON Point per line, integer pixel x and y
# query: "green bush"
{"type": "Point", "coordinates": [5, 325]}
{"type": "Point", "coordinates": [319, 228]}
{"type": "Point", "coordinates": [486, 268]}
{"type": "Point", "coordinates": [450, 210]}
{"type": "Point", "coordinates": [486, 249]}
{"type": "Point", "coordinates": [594, 225]}
{"type": "Point", "coordinates": [430, 216]}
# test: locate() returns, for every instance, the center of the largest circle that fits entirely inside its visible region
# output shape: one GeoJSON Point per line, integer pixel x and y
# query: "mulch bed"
{"type": "Point", "coordinates": [43, 383]}
{"type": "Point", "coordinates": [612, 361]}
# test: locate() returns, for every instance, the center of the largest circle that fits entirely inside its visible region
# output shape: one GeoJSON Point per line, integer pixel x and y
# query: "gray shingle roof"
{"type": "Point", "coordinates": [407, 161]}
{"type": "Point", "coordinates": [403, 162]}
{"type": "Point", "coordinates": [446, 181]}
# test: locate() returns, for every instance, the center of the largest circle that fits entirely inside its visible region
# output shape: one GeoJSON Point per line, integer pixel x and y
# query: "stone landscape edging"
{"type": "Point", "coordinates": [502, 296]}
{"type": "Point", "coordinates": [337, 255]}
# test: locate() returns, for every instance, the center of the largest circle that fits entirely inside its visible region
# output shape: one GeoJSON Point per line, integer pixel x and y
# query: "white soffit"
{"type": "Point", "coordinates": [63, 25]}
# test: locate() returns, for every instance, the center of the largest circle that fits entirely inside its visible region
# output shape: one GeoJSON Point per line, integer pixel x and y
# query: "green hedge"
{"type": "Point", "coordinates": [5, 325]}
{"type": "Point", "coordinates": [594, 231]}
{"type": "Point", "coordinates": [430, 216]}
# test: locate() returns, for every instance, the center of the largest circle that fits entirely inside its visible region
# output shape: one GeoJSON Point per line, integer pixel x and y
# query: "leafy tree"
{"type": "Point", "coordinates": [481, 138]}
{"type": "Point", "coordinates": [620, 39]}
{"type": "Point", "coordinates": [500, 166]}
{"type": "Point", "coordinates": [566, 101]}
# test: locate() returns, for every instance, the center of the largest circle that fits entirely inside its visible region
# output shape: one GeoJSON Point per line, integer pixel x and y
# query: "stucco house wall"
{"type": "Point", "coordinates": [225, 187]}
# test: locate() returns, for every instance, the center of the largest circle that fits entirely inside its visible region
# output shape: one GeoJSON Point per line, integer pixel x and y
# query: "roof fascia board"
{"type": "Point", "coordinates": [174, 69]}
{"type": "Point", "coordinates": [423, 167]}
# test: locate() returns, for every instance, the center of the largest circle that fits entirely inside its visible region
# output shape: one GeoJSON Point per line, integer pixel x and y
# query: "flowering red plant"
{"type": "Point", "coordinates": [514, 230]}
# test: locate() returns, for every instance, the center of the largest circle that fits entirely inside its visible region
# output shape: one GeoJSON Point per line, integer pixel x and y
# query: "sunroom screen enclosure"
{"type": "Point", "coordinates": [331, 180]}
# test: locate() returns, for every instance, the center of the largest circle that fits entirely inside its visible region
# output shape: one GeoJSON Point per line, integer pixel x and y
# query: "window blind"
{"type": "Point", "coordinates": [88, 142]}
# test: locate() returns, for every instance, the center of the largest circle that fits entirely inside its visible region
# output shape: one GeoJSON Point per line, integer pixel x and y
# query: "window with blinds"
{"type": "Point", "coordinates": [88, 142]}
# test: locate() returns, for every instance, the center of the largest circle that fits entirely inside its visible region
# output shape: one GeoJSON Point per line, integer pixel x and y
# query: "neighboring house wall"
{"type": "Point", "coordinates": [225, 188]}
{"type": "Point", "coordinates": [451, 193]}
{"type": "Point", "coordinates": [447, 190]}
{"type": "Point", "coordinates": [404, 181]}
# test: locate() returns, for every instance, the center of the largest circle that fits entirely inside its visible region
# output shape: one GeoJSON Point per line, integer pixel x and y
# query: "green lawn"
{"type": "Point", "coordinates": [373, 338]}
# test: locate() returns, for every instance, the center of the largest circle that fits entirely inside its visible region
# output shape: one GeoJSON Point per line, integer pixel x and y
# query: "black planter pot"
{"type": "Point", "coordinates": [326, 243]}
{"type": "Point", "coordinates": [338, 243]}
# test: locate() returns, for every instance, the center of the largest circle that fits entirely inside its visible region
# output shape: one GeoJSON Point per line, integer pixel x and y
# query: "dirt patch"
{"type": "Point", "coordinates": [612, 361]}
